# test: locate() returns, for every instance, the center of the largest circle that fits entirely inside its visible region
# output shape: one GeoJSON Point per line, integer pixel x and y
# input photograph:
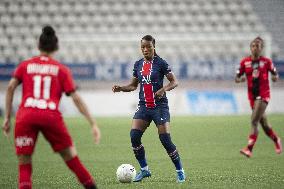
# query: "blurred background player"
{"type": "Point", "coordinates": [153, 105]}
{"type": "Point", "coordinates": [44, 80]}
{"type": "Point", "coordinates": [257, 68]}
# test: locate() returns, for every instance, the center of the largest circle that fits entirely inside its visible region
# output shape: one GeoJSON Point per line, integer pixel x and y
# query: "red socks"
{"type": "Point", "coordinates": [82, 174]}
{"type": "Point", "coordinates": [251, 141]}
{"type": "Point", "coordinates": [272, 135]}
{"type": "Point", "coordinates": [25, 173]}
{"type": "Point", "coordinates": [253, 137]}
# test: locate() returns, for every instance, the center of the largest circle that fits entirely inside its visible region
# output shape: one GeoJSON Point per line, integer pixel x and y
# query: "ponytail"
{"type": "Point", "coordinates": [48, 41]}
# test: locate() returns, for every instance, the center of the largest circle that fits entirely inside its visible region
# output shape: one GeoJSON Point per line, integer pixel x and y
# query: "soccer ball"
{"type": "Point", "coordinates": [125, 173]}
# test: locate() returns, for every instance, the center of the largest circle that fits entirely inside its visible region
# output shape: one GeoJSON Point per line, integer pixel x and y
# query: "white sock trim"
{"type": "Point", "coordinates": [145, 168]}
{"type": "Point", "coordinates": [180, 170]}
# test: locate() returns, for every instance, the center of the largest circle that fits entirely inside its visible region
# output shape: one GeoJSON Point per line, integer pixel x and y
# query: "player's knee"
{"type": "Point", "coordinates": [264, 125]}
{"type": "Point", "coordinates": [24, 159]}
{"type": "Point", "coordinates": [68, 153]}
{"type": "Point", "coordinates": [263, 122]}
{"type": "Point", "coordinates": [166, 141]}
{"type": "Point", "coordinates": [135, 136]}
{"type": "Point", "coordinates": [254, 122]}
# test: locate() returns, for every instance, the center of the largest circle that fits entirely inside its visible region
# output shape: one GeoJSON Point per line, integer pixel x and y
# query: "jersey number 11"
{"type": "Point", "coordinates": [46, 86]}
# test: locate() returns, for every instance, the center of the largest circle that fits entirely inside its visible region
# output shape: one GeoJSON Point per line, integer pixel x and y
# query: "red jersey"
{"type": "Point", "coordinates": [257, 75]}
{"type": "Point", "coordinates": [43, 80]}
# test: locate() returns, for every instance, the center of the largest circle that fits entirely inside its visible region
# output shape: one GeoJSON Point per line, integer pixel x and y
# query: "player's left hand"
{"type": "Point", "coordinates": [160, 93]}
{"type": "Point", "coordinates": [97, 133]}
{"type": "Point", "coordinates": [6, 127]}
{"type": "Point", "coordinates": [274, 78]}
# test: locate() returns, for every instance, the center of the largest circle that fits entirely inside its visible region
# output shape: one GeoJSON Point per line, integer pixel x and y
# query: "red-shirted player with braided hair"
{"type": "Point", "coordinates": [257, 68]}
{"type": "Point", "coordinates": [44, 80]}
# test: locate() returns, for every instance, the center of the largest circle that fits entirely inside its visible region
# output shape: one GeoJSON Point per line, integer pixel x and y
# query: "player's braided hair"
{"type": "Point", "coordinates": [48, 41]}
{"type": "Point", "coordinates": [152, 39]}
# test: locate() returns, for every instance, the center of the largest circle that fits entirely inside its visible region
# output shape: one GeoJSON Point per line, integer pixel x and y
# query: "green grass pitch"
{"type": "Point", "coordinates": [209, 148]}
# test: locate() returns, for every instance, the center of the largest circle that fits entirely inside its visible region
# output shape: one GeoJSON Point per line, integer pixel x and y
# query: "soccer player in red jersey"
{"type": "Point", "coordinates": [43, 81]}
{"type": "Point", "coordinates": [257, 68]}
{"type": "Point", "coordinates": [153, 105]}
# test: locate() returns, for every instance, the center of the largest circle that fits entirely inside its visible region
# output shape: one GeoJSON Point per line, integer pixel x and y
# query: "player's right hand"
{"type": "Point", "coordinates": [243, 79]}
{"type": "Point", "coordinates": [6, 127]}
{"type": "Point", "coordinates": [240, 79]}
{"type": "Point", "coordinates": [116, 88]}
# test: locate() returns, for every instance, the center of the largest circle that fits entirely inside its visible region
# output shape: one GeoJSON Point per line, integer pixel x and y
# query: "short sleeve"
{"type": "Point", "coordinates": [135, 69]}
{"type": "Point", "coordinates": [68, 82]}
{"type": "Point", "coordinates": [19, 72]}
{"type": "Point", "coordinates": [165, 67]}
{"type": "Point", "coordinates": [241, 69]}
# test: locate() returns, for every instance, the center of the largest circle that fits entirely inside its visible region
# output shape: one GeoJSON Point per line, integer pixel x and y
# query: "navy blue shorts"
{"type": "Point", "coordinates": [159, 114]}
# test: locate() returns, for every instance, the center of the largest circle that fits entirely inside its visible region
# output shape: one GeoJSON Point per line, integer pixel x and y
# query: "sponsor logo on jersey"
{"type": "Point", "coordinates": [248, 64]}
{"type": "Point", "coordinates": [146, 79]}
{"type": "Point", "coordinates": [146, 72]}
{"type": "Point", "coordinates": [255, 73]}
{"type": "Point", "coordinates": [261, 64]}
{"type": "Point", "coordinates": [147, 84]}
{"type": "Point", "coordinates": [255, 66]}
{"type": "Point", "coordinates": [24, 141]}
{"type": "Point", "coordinates": [39, 103]}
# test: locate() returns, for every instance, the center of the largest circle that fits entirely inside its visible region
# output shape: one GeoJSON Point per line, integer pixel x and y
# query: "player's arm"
{"type": "Point", "coordinates": [173, 83]}
{"type": "Point", "coordinates": [240, 72]}
{"type": "Point", "coordinates": [82, 107]}
{"type": "Point", "coordinates": [239, 78]}
{"type": "Point", "coordinates": [14, 82]}
{"type": "Point", "coordinates": [132, 86]}
{"type": "Point", "coordinates": [273, 71]}
{"type": "Point", "coordinates": [274, 76]}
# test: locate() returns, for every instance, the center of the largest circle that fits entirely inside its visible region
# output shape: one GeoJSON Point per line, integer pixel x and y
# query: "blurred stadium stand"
{"type": "Point", "coordinates": [271, 13]}
{"type": "Point", "coordinates": [211, 34]}
{"type": "Point", "coordinates": [203, 41]}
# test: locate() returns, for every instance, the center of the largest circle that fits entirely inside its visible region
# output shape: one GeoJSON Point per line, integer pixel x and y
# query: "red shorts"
{"type": "Point", "coordinates": [30, 122]}
{"type": "Point", "coordinates": [251, 100]}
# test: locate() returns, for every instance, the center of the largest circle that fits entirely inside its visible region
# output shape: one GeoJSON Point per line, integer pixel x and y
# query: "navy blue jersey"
{"type": "Point", "coordinates": [150, 76]}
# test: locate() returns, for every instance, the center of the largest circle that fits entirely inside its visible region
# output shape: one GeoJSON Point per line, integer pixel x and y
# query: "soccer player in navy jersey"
{"type": "Point", "coordinates": [257, 68]}
{"type": "Point", "coordinates": [153, 105]}
{"type": "Point", "coordinates": [44, 80]}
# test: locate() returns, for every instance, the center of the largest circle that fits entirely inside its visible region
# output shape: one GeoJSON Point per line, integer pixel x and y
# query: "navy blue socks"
{"type": "Point", "coordinates": [137, 146]}
{"type": "Point", "coordinates": [166, 141]}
